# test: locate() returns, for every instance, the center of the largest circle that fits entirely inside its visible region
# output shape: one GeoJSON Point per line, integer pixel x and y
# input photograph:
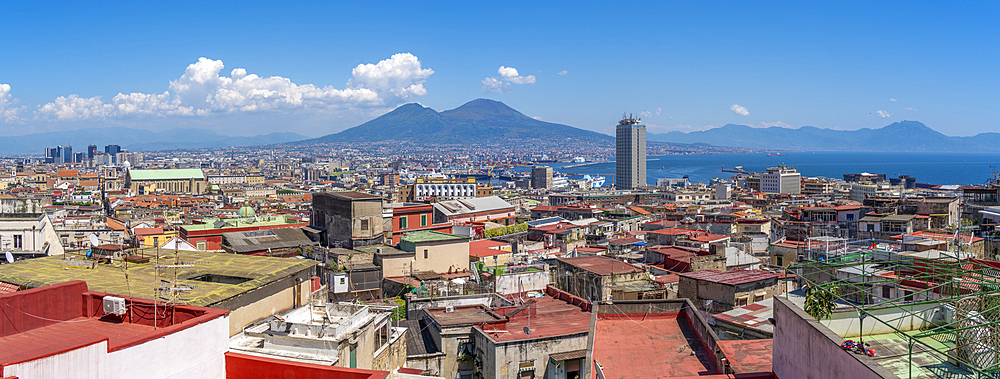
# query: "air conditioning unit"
{"type": "Point", "coordinates": [449, 309]}
{"type": "Point", "coordinates": [114, 305]}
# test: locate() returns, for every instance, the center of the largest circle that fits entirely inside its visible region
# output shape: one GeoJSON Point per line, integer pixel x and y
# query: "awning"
{"type": "Point", "coordinates": [313, 229]}
{"type": "Point", "coordinates": [569, 356]}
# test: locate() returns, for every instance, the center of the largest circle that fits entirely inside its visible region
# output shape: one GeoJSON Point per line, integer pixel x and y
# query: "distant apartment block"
{"type": "Point", "coordinates": [541, 177]}
{"type": "Point", "coordinates": [781, 179]}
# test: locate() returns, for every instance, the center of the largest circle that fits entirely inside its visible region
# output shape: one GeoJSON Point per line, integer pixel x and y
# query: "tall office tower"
{"type": "Point", "coordinates": [113, 151]}
{"type": "Point", "coordinates": [66, 152]}
{"type": "Point", "coordinates": [51, 155]}
{"type": "Point", "coordinates": [630, 153]}
{"type": "Point", "coordinates": [541, 177]}
{"type": "Point", "coordinates": [91, 151]}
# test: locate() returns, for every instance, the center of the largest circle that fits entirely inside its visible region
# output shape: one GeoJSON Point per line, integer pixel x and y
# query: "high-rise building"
{"type": "Point", "coordinates": [630, 153]}
{"type": "Point", "coordinates": [52, 155]}
{"type": "Point", "coordinates": [66, 153]}
{"type": "Point", "coordinates": [781, 179]}
{"type": "Point", "coordinates": [91, 151]}
{"type": "Point", "coordinates": [541, 177]}
{"type": "Point", "coordinates": [113, 151]}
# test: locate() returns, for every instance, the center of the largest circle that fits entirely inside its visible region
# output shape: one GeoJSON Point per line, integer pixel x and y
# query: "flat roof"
{"type": "Point", "coordinates": [649, 345]}
{"type": "Point", "coordinates": [111, 279]}
{"type": "Point", "coordinates": [59, 322]}
{"type": "Point", "coordinates": [431, 236]}
{"type": "Point", "coordinates": [245, 222]}
{"type": "Point", "coordinates": [732, 277]}
{"type": "Point", "coordinates": [748, 356]}
{"type": "Point", "coordinates": [463, 315]}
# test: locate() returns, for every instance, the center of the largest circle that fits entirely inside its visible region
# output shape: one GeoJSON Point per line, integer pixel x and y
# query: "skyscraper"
{"type": "Point", "coordinates": [630, 153]}
{"type": "Point", "coordinates": [91, 150]}
{"type": "Point", "coordinates": [66, 152]}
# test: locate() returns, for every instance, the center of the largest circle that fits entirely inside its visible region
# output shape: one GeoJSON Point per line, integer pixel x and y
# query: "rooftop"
{"type": "Point", "coordinates": [258, 271]}
{"type": "Point", "coordinates": [463, 315]}
{"type": "Point", "coordinates": [431, 236]}
{"type": "Point", "coordinates": [732, 277]}
{"type": "Point", "coordinates": [623, 344]}
{"type": "Point", "coordinates": [600, 265]}
{"type": "Point", "coordinates": [549, 317]}
{"type": "Point", "coordinates": [249, 222]}
{"type": "Point", "coordinates": [67, 316]}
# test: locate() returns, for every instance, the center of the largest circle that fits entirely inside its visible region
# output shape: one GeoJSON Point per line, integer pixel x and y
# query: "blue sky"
{"type": "Point", "coordinates": [326, 66]}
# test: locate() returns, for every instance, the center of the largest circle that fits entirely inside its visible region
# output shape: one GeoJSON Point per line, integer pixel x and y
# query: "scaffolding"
{"type": "Point", "coordinates": [944, 305]}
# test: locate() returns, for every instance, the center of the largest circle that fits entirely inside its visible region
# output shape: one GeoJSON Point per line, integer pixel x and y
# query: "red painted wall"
{"type": "Point", "coordinates": [56, 302]}
{"type": "Point", "coordinates": [242, 366]}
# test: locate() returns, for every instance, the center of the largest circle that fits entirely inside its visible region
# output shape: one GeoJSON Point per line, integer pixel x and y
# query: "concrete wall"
{"type": "Point", "coordinates": [804, 348]}
{"type": "Point", "coordinates": [195, 352]}
{"type": "Point", "coordinates": [415, 305]}
{"type": "Point", "coordinates": [503, 360]}
{"type": "Point", "coordinates": [392, 356]}
{"type": "Point", "coordinates": [443, 256]}
{"type": "Point", "coordinates": [529, 281]}
{"type": "Point", "coordinates": [84, 363]}
{"type": "Point", "coordinates": [282, 300]}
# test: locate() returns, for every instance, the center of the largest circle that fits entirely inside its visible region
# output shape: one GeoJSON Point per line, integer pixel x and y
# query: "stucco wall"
{"type": "Point", "coordinates": [442, 256]}
{"type": "Point", "coordinates": [530, 281]}
{"type": "Point", "coordinates": [507, 358]}
{"type": "Point", "coordinates": [195, 352]}
{"type": "Point", "coordinates": [258, 310]}
{"type": "Point", "coordinates": [804, 348]}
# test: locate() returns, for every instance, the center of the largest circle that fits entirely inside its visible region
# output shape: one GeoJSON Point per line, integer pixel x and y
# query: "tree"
{"type": "Point", "coordinates": [820, 302]}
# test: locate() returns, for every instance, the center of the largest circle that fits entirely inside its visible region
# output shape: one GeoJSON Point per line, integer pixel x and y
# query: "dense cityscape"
{"type": "Point", "coordinates": [518, 190]}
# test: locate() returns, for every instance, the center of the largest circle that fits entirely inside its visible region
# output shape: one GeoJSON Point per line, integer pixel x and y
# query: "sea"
{"type": "Point", "coordinates": [933, 168]}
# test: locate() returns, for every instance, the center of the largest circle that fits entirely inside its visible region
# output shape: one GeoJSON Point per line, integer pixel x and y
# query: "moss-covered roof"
{"type": "Point", "coordinates": [431, 236]}
{"type": "Point", "coordinates": [111, 278]}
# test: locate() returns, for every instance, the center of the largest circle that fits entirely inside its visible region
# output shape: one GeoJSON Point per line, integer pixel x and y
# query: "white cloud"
{"type": "Point", "coordinates": [508, 76]}
{"type": "Point", "coordinates": [657, 112]}
{"type": "Point", "coordinates": [742, 111]}
{"type": "Point", "coordinates": [9, 111]}
{"type": "Point", "coordinates": [563, 72]}
{"type": "Point", "coordinates": [494, 85]}
{"type": "Point", "coordinates": [893, 100]}
{"type": "Point", "coordinates": [884, 114]}
{"type": "Point", "coordinates": [910, 109]}
{"type": "Point", "coordinates": [202, 91]}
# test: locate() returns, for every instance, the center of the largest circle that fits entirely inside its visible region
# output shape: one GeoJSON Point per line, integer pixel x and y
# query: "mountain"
{"type": "Point", "coordinates": [903, 136]}
{"type": "Point", "coordinates": [135, 140]}
{"type": "Point", "coordinates": [478, 120]}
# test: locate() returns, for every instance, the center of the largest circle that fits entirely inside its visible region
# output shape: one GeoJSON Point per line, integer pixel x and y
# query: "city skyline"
{"type": "Point", "coordinates": [684, 67]}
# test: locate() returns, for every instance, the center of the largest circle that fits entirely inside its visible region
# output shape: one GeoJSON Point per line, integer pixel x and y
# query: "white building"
{"type": "Point", "coordinates": [781, 179]}
{"type": "Point", "coordinates": [29, 233]}
{"type": "Point", "coordinates": [444, 190]}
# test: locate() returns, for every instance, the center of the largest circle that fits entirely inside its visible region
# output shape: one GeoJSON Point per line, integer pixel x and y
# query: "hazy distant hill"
{"type": "Point", "coordinates": [477, 120]}
{"type": "Point", "coordinates": [135, 140]}
{"type": "Point", "coordinates": [898, 136]}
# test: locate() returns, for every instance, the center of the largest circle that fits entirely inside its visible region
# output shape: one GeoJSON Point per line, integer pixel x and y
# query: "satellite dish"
{"type": "Point", "coordinates": [527, 331]}
{"type": "Point", "coordinates": [93, 240]}
{"type": "Point", "coordinates": [10, 257]}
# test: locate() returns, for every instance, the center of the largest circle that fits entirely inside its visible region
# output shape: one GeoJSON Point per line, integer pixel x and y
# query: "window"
{"type": "Point", "coordinates": [156, 241]}
{"type": "Point", "coordinates": [425, 253]}
{"type": "Point", "coordinates": [780, 260]}
{"type": "Point", "coordinates": [201, 245]}
{"type": "Point", "coordinates": [18, 242]}
{"type": "Point", "coordinates": [402, 223]}
{"type": "Point", "coordinates": [423, 220]}
{"type": "Point", "coordinates": [364, 225]}
{"type": "Point", "coordinates": [742, 301]}
{"type": "Point", "coordinates": [343, 280]}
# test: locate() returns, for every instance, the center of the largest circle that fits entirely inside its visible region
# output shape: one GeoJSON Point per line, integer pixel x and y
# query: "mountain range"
{"type": "Point", "coordinates": [903, 136]}
{"type": "Point", "coordinates": [479, 120]}
{"type": "Point", "coordinates": [135, 140]}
